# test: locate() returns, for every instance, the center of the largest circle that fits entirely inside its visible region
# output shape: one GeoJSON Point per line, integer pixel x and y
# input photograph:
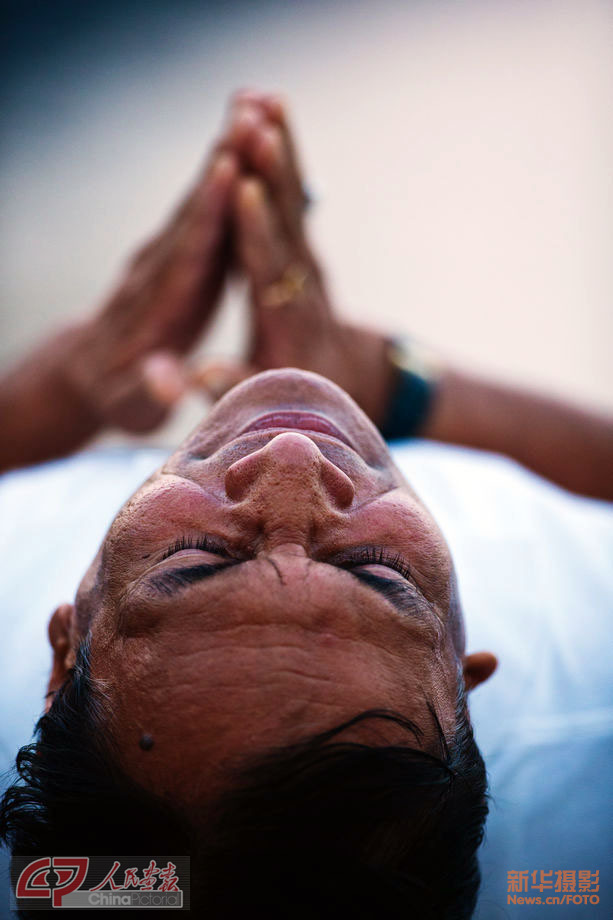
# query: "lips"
{"type": "Point", "coordinates": [297, 421]}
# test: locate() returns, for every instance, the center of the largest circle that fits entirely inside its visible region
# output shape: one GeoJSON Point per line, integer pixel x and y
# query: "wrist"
{"type": "Point", "coordinates": [371, 374]}
{"type": "Point", "coordinates": [43, 413]}
{"type": "Point", "coordinates": [76, 371]}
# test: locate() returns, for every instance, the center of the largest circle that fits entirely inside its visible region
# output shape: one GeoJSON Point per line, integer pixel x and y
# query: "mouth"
{"type": "Point", "coordinates": [297, 421]}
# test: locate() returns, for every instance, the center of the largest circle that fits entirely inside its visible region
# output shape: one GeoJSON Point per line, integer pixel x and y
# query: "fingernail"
{"type": "Point", "coordinates": [251, 192]}
{"type": "Point", "coordinates": [223, 166]}
{"type": "Point", "coordinates": [164, 378]}
{"type": "Point", "coordinates": [277, 106]}
{"type": "Point", "coordinates": [246, 116]}
{"type": "Point", "coordinates": [272, 142]}
{"type": "Point", "coordinates": [244, 95]}
{"type": "Point", "coordinates": [242, 119]}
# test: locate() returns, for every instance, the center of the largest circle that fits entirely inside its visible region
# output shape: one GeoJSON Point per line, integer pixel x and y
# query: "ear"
{"type": "Point", "coordinates": [477, 668]}
{"type": "Point", "coordinates": [60, 631]}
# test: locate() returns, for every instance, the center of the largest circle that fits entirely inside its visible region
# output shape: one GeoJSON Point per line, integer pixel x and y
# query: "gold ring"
{"type": "Point", "coordinates": [286, 289]}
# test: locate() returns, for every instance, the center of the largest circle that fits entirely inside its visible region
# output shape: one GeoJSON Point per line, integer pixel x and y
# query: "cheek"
{"type": "Point", "coordinates": [400, 522]}
{"type": "Point", "coordinates": [153, 520]}
{"type": "Point", "coordinates": [168, 502]}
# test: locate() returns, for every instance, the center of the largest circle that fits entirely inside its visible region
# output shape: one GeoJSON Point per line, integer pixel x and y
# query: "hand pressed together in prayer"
{"type": "Point", "coordinates": [245, 212]}
{"type": "Point", "coordinates": [127, 365]}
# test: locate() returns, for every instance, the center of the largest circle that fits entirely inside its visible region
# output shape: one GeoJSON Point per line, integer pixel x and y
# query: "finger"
{"type": "Point", "coordinates": [270, 159]}
{"type": "Point", "coordinates": [210, 199]}
{"type": "Point", "coordinates": [195, 250]}
{"type": "Point", "coordinates": [263, 248]}
{"type": "Point", "coordinates": [206, 208]}
{"type": "Point", "coordinates": [259, 133]}
{"type": "Point", "coordinates": [247, 95]}
{"type": "Point", "coordinates": [274, 108]}
{"type": "Point", "coordinates": [164, 378]}
{"type": "Point", "coordinates": [207, 181]}
{"type": "Point", "coordinates": [141, 400]}
{"type": "Point", "coordinates": [267, 252]}
{"type": "Point", "coordinates": [244, 118]}
{"type": "Point", "coordinates": [288, 301]}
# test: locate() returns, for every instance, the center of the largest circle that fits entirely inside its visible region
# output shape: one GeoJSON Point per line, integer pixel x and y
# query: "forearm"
{"type": "Point", "coordinates": [567, 444]}
{"type": "Point", "coordinates": [42, 414]}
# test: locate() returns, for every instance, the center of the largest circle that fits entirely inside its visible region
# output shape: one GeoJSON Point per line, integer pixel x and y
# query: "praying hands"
{"type": "Point", "coordinates": [128, 364]}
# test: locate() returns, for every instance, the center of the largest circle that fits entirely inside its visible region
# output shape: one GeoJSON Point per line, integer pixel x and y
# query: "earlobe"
{"type": "Point", "coordinates": [60, 632]}
{"type": "Point", "coordinates": [477, 667]}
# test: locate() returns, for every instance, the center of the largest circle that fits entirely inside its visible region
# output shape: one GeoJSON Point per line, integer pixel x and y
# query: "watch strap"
{"type": "Point", "coordinates": [415, 377]}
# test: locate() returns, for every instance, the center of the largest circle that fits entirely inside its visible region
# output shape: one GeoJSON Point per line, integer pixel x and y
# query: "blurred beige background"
{"type": "Point", "coordinates": [460, 154]}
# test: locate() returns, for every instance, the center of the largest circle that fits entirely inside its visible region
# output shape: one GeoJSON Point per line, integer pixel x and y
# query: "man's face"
{"type": "Point", "coordinates": [274, 578]}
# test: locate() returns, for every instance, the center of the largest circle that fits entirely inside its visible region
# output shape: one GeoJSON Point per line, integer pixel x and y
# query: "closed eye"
{"type": "Point", "coordinates": [349, 559]}
{"type": "Point", "coordinates": [397, 588]}
{"type": "Point", "coordinates": [172, 580]}
{"type": "Point", "coordinates": [397, 591]}
{"type": "Point", "coordinates": [361, 556]}
{"type": "Point", "coordinates": [202, 542]}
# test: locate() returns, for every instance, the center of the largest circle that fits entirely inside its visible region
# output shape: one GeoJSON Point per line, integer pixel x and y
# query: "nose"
{"type": "Point", "coordinates": [289, 473]}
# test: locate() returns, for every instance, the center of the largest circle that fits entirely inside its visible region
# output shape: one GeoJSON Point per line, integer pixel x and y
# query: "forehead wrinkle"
{"type": "Point", "coordinates": [253, 666]}
{"type": "Point", "coordinates": [276, 568]}
{"type": "Point", "coordinates": [277, 671]}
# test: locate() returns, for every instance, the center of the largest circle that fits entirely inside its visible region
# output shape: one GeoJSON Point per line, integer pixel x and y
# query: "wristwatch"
{"type": "Point", "coordinates": [416, 373]}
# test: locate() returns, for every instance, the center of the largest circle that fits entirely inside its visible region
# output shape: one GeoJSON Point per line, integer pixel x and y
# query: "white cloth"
{"type": "Point", "coordinates": [535, 568]}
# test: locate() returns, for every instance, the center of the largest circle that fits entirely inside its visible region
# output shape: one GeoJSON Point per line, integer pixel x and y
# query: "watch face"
{"type": "Point", "coordinates": [415, 358]}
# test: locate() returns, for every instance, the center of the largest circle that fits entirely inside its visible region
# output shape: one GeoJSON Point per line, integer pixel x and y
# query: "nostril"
{"type": "Point", "coordinates": [240, 476]}
{"type": "Point", "coordinates": [294, 463]}
{"type": "Point", "coordinates": [290, 455]}
{"type": "Point", "coordinates": [337, 484]}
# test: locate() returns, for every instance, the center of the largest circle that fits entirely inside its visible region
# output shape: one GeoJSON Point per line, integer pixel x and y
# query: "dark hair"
{"type": "Point", "coordinates": [317, 829]}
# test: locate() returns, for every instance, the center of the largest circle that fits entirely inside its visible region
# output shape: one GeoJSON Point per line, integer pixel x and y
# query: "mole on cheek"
{"type": "Point", "coordinates": [146, 742]}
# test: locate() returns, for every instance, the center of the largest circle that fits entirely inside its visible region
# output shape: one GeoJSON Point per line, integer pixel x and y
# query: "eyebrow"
{"type": "Point", "coordinates": [403, 597]}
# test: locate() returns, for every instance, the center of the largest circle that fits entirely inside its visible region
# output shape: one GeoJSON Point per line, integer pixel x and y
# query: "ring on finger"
{"type": "Point", "coordinates": [289, 286]}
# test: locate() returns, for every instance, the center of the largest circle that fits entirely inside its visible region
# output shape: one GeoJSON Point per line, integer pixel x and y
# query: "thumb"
{"type": "Point", "coordinates": [262, 248]}
{"type": "Point", "coordinates": [140, 400]}
{"type": "Point", "coordinates": [163, 378]}
{"type": "Point", "coordinates": [289, 306]}
{"type": "Point", "coordinates": [216, 377]}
